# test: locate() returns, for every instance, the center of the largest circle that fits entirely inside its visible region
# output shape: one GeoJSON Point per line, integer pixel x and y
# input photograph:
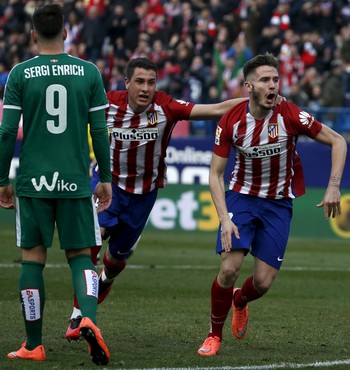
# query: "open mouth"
{"type": "Point", "coordinates": [271, 98]}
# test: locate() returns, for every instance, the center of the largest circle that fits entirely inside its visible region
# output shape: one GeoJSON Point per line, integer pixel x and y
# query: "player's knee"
{"type": "Point", "coordinates": [113, 267]}
{"type": "Point", "coordinates": [228, 275]}
{"type": "Point", "coordinates": [262, 285]}
{"type": "Point", "coordinates": [94, 254]}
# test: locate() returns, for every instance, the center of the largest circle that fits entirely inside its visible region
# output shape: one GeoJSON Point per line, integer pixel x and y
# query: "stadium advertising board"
{"type": "Point", "coordinates": [189, 206]}
{"type": "Point", "coordinates": [189, 160]}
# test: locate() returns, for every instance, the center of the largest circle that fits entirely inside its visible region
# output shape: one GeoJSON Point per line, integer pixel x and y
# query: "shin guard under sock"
{"type": "Point", "coordinates": [246, 294]}
{"type": "Point", "coordinates": [94, 253]}
{"type": "Point", "coordinates": [221, 301]}
{"type": "Point", "coordinates": [85, 284]}
{"type": "Point", "coordinates": [32, 296]}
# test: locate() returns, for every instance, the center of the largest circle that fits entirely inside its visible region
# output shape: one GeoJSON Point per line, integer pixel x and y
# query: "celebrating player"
{"type": "Point", "coordinates": [141, 121]}
{"type": "Point", "coordinates": [255, 213]}
{"type": "Point", "coordinates": [58, 95]}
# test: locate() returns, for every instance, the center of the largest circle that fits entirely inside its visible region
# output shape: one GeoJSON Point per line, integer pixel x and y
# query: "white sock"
{"type": "Point", "coordinates": [76, 312]}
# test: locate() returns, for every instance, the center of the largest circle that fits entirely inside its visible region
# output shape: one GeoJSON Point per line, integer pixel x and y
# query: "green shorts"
{"type": "Point", "coordinates": [75, 219]}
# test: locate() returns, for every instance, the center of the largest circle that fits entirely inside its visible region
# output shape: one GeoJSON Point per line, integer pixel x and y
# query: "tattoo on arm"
{"type": "Point", "coordinates": [334, 181]}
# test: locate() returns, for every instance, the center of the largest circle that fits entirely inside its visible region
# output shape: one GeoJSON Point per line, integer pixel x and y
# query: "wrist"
{"type": "Point", "coordinates": [334, 181]}
{"type": "Point", "coordinates": [224, 219]}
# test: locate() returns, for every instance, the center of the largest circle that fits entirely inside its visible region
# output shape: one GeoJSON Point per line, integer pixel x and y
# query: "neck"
{"type": "Point", "coordinates": [50, 48]}
{"type": "Point", "coordinates": [258, 112]}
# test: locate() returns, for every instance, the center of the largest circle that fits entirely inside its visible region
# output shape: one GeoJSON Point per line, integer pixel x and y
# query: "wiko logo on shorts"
{"type": "Point", "coordinates": [55, 185]}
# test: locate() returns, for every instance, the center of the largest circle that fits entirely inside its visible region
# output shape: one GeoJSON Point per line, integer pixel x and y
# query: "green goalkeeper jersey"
{"type": "Point", "coordinates": [58, 96]}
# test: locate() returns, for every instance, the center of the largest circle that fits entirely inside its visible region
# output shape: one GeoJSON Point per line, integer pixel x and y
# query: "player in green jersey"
{"type": "Point", "coordinates": [57, 95]}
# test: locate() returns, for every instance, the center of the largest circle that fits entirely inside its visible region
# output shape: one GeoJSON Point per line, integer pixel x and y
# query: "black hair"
{"type": "Point", "coordinates": [143, 63]}
{"type": "Point", "coordinates": [266, 59]}
{"type": "Point", "coordinates": [48, 20]}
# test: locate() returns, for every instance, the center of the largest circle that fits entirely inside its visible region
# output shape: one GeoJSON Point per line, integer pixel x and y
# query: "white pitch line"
{"type": "Point", "coordinates": [187, 267]}
{"type": "Point", "coordinates": [284, 365]}
{"type": "Point", "coordinates": [317, 364]}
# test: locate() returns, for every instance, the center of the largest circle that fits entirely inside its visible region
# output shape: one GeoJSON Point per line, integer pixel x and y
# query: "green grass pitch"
{"type": "Point", "coordinates": [157, 313]}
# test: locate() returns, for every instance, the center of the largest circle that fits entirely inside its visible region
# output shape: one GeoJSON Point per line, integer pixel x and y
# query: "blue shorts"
{"type": "Point", "coordinates": [125, 219]}
{"type": "Point", "coordinates": [263, 226]}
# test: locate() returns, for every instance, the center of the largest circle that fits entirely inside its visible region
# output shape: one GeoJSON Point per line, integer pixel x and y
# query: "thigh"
{"type": "Point", "coordinates": [35, 221]}
{"type": "Point", "coordinates": [271, 238]}
{"type": "Point", "coordinates": [110, 217]}
{"type": "Point", "coordinates": [240, 208]}
{"type": "Point", "coordinates": [134, 213]}
{"type": "Point", "coordinates": [264, 275]}
{"type": "Point", "coordinates": [77, 223]}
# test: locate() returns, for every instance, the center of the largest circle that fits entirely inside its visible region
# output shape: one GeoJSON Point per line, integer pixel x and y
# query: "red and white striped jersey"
{"type": "Point", "coordinates": [139, 141]}
{"type": "Point", "coordinates": [267, 163]}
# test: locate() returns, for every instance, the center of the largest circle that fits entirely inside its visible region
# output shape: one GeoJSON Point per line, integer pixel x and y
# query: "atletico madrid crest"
{"type": "Point", "coordinates": [272, 130]}
{"type": "Point", "coordinates": [152, 118]}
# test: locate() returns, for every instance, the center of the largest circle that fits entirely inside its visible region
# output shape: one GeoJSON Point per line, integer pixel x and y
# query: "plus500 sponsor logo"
{"type": "Point", "coordinates": [188, 210]}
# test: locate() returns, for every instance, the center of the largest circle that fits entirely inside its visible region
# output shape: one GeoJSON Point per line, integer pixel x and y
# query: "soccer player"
{"type": "Point", "coordinates": [57, 95]}
{"type": "Point", "coordinates": [255, 212]}
{"type": "Point", "coordinates": [140, 121]}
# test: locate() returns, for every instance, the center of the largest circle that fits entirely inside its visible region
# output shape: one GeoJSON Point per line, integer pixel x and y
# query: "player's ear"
{"type": "Point", "coordinates": [33, 36]}
{"type": "Point", "coordinates": [64, 33]}
{"type": "Point", "coordinates": [248, 85]}
{"type": "Point", "coordinates": [126, 82]}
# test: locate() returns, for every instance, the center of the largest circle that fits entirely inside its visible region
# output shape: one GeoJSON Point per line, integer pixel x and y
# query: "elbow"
{"type": "Point", "coordinates": [342, 143]}
{"type": "Point", "coordinates": [340, 146]}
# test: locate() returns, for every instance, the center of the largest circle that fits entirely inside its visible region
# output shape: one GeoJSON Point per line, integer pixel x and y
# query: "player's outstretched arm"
{"type": "Point", "coordinates": [214, 111]}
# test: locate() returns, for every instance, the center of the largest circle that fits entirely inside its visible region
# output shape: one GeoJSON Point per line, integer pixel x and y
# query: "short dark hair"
{"type": "Point", "coordinates": [143, 63]}
{"type": "Point", "coordinates": [48, 20]}
{"type": "Point", "coordinates": [267, 59]}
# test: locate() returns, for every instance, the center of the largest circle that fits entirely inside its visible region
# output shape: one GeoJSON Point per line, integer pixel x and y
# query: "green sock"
{"type": "Point", "coordinates": [32, 296]}
{"type": "Point", "coordinates": [85, 284]}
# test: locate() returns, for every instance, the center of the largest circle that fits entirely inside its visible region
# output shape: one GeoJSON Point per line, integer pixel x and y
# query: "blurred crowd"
{"type": "Point", "coordinates": [200, 46]}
